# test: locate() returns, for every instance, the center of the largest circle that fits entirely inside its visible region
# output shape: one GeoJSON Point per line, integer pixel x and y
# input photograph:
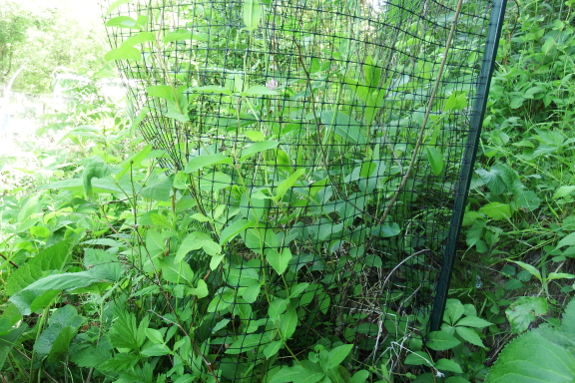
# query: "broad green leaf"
{"type": "Point", "coordinates": [245, 343]}
{"type": "Point", "coordinates": [552, 276]}
{"type": "Point", "coordinates": [201, 291]}
{"type": "Point", "coordinates": [154, 335]}
{"type": "Point", "coordinates": [435, 159]}
{"type": "Point", "coordinates": [211, 182]}
{"type": "Point", "coordinates": [54, 257]}
{"type": "Point", "coordinates": [287, 374]}
{"type": "Point", "coordinates": [54, 341]}
{"type": "Point", "coordinates": [194, 241]}
{"type": "Point", "coordinates": [160, 190]}
{"type": "Point", "coordinates": [272, 349]}
{"type": "Point", "coordinates": [473, 321]}
{"type": "Point", "coordinates": [124, 53]}
{"type": "Point", "coordinates": [338, 354]}
{"type": "Point", "coordinates": [278, 261]}
{"type": "Point", "coordinates": [563, 191]}
{"type": "Point", "coordinates": [540, 355]}
{"type": "Point", "coordinates": [448, 365]}
{"type": "Point", "coordinates": [469, 335]}
{"type": "Point", "coordinates": [243, 277]}
{"type": "Point", "coordinates": [277, 307]}
{"type": "Point", "coordinates": [116, 4]}
{"type": "Point", "coordinates": [344, 126]}
{"type": "Point", "coordinates": [95, 168]}
{"type": "Point", "coordinates": [252, 14]}
{"type": "Point", "coordinates": [255, 135]}
{"type": "Point", "coordinates": [523, 311]}
{"type": "Point", "coordinates": [252, 292]}
{"type": "Point", "coordinates": [163, 91]}
{"type": "Point", "coordinates": [298, 289]}
{"type": "Point", "coordinates": [454, 310]}
{"type": "Point", "coordinates": [257, 147]}
{"type": "Point", "coordinates": [441, 340]}
{"type": "Point", "coordinates": [123, 22]}
{"type": "Point", "coordinates": [568, 240]}
{"type": "Point", "coordinates": [532, 270]}
{"type": "Point", "coordinates": [139, 38]}
{"type": "Point", "coordinates": [286, 184]}
{"type": "Point", "coordinates": [288, 323]}
{"type": "Point", "coordinates": [259, 90]}
{"type": "Point", "coordinates": [418, 358]}
{"type": "Point", "coordinates": [497, 211]}
{"type": "Point", "coordinates": [232, 230]}
{"type": "Point", "coordinates": [157, 350]}
{"type": "Point", "coordinates": [311, 372]}
{"type": "Point", "coordinates": [202, 161]}
{"type": "Point", "coordinates": [175, 271]}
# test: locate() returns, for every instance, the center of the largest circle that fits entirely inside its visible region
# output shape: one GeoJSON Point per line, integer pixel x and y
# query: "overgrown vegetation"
{"type": "Point", "coordinates": [94, 287]}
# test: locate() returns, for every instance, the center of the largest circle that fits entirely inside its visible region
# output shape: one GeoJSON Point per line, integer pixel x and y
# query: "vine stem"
{"type": "Point", "coordinates": [426, 117]}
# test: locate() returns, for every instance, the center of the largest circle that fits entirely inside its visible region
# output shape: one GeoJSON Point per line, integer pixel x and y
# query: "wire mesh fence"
{"type": "Point", "coordinates": [327, 147]}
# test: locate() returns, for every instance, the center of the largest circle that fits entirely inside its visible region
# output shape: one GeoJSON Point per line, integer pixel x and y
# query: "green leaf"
{"type": "Point", "coordinates": [277, 307]}
{"type": "Point", "coordinates": [523, 311]}
{"type": "Point", "coordinates": [278, 261]}
{"type": "Point", "coordinates": [160, 190]}
{"type": "Point", "coordinates": [496, 211]}
{"type": "Point", "coordinates": [272, 349]}
{"type": "Point", "coordinates": [311, 372]}
{"type": "Point", "coordinates": [154, 335]}
{"type": "Point", "coordinates": [435, 159]}
{"type": "Point", "coordinates": [54, 257]}
{"type": "Point", "coordinates": [211, 89]}
{"type": "Point", "coordinates": [552, 276]}
{"type": "Point", "coordinates": [123, 53]}
{"type": "Point", "coordinates": [344, 126]}
{"type": "Point", "coordinates": [257, 147]}
{"type": "Point", "coordinates": [201, 291]}
{"type": "Point", "coordinates": [139, 38]}
{"type": "Point", "coordinates": [123, 22]}
{"type": "Point", "coordinates": [448, 365]}
{"type": "Point", "coordinates": [563, 191]}
{"type": "Point", "coordinates": [157, 350]}
{"type": "Point", "coordinates": [532, 270]}
{"type": "Point", "coordinates": [124, 332]}
{"type": "Point", "coordinates": [469, 335]}
{"type": "Point", "coordinates": [568, 240]}
{"type": "Point", "coordinates": [259, 90]}
{"type": "Point", "coordinates": [453, 311]}
{"type": "Point", "coordinates": [95, 168]}
{"type": "Point", "coordinates": [8, 341]}
{"type": "Point", "coordinates": [202, 161]}
{"type": "Point", "coordinates": [197, 240]}
{"type": "Point", "coordinates": [418, 358]}
{"type": "Point", "coordinates": [286, 184]}
{"type": "Point", "coordinates": [232, 230]}
{"type": "Point", "coordinates": [288, 323]}
{"type": "Point", "coordinates": [473, 321]}
{"type": "Point", "coordinates": [163, 91]}
{"type": "Point", "coordinates": [441, 340]}
{"type": "Point", "coordinates": [184, 34]}
{"type": "Point", "coordinates": [116, 4]}
{"type": "Point", "coordinates": [287, 374]}
{"type": "Point", "coordinates": [338, 355]}
{"type": "Point", "coordinates": [252, 14]}
{"type": "Point", "coordinates": [540, 355]}
{"type": "Point", "coordinates": [176, 271]}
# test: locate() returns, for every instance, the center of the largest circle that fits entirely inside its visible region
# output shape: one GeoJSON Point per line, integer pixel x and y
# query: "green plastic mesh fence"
{"type": "Point", "coordinates": [327, 145]}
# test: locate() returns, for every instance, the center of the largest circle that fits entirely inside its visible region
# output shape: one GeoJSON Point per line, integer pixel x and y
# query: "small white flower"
{"type": "Point", "coordinates": [272, 84]}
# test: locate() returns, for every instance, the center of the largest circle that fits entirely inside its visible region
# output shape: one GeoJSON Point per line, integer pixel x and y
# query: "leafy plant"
{"type": "Point", "coordinates": [542, 354]}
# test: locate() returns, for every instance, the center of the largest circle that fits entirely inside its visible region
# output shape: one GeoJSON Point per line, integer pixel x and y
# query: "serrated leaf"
{"type": "Point", "coordinates": [54, 257]}
{"type": "Point", "coordinates": [540, 355]}
{"type": "Point", "coordinates": [125, 333]}
{"type": "Point", "coordinates": [120, 362]}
